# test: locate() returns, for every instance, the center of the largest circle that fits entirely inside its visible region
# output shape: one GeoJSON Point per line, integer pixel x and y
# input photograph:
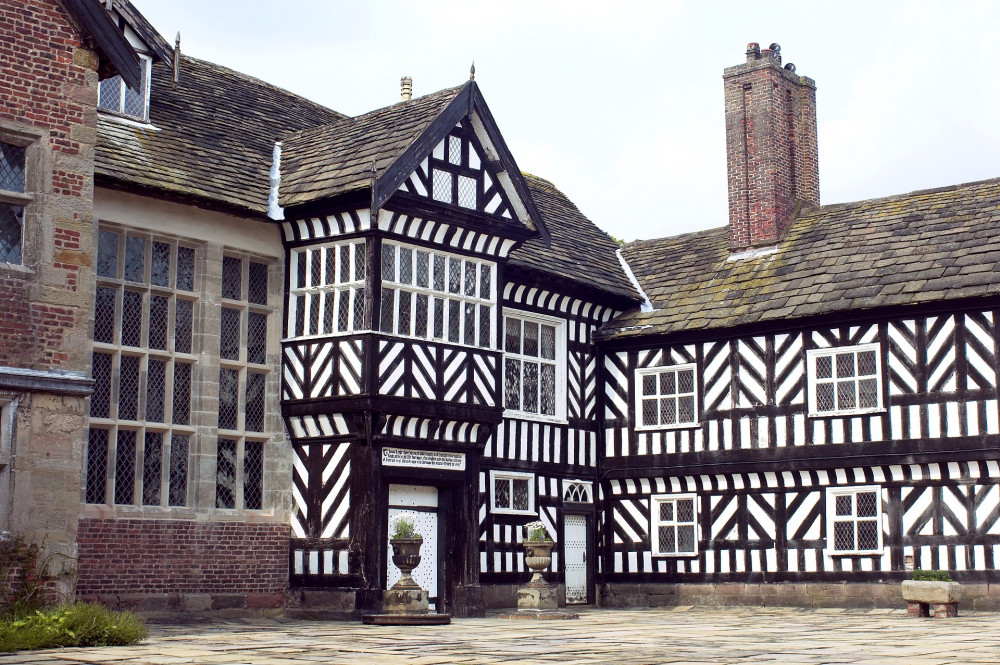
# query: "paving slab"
{"type": "Point", "coordinates": [624, 637]}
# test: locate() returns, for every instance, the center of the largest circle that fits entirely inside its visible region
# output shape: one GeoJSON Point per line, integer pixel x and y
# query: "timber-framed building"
{"type": "Point", "coordinates": [251, 329]}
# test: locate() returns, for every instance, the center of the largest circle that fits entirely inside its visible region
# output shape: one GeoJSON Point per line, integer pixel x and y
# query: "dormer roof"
{"type": "Point", "coordinates": [117, 55]}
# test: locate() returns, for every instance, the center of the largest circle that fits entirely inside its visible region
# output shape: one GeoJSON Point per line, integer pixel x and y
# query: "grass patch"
{"type": "Point", "coordinates": [76, 625]}
{"type": "Point", "coordinates": [931, 576]}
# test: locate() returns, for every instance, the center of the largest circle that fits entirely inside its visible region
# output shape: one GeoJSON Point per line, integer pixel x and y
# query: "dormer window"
{"type": "Point", "coordinates": [116, 96]}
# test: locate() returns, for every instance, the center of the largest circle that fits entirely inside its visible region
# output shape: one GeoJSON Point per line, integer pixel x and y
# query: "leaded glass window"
{"type": "Point", "coordinates": [431, 295]}
{"type": "Point", "coordinates": [327, 297]}
{"type": "Point", "coordinates": [512, 492]}
{"type": "Point", "coordinates": [667, 397]}
{"type": "Point", "coordinates": [116, 96]}
{"type": "Point", "coordinates": [845, 380]}
{"type": "Point", "coordinates": [534, 365]}
{"type": "Point", "coordinates": [13, 180]}
{"type": "Point", "coordinates": [141, 366]}
{"type": "Point", "coordinates": [854, 516]}
{"type": "Point", "coordinates": [674, 524]}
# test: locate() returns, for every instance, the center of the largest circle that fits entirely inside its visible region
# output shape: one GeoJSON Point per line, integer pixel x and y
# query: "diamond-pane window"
{"type": "Point", "coordinates": [107, 254]}
{"type": "Point", "coordinates": [257, 283]}
{"type": "Point", "coordinates": [11, 227]}
{"type": "Point", "coordinates": [229, 338]}
{"type": "Point", "coordinates": [454, 150]}
{"type": "Point", "coordinates": [182, 394]}
{"type": "Point", "coordinates": [255, 401]}
{"type": "Point", "coordinates": [158, 313]}
{"type": "Point", "coordinates": [389, 262]}
{"type": "Point", "coordinates": [159, 269]}
{"type": "Point", "coordinates": [845, 380]}
{"type": "Point", "coordinates": [114, 95]}
{"type": "Point", "coordinates": [229, 390]}
{"type": "Point", "coordinates": [467, 192]}
{"type": "Point", "coordinates": [530, 348]}
{"type": "Point", "coordinates": [128, 388]}
{"type": "Point", "coordinates": [225, 474]}
{"type": "Point", "coordinates": [854, 518]}
{"type": "Point", "coordinates": [253, 475]}
{"type": "Point", "coordinates": [97, 465]}
{"type": "Point", "coordinates": [423, 269]}
{"type": "Point", "coordinates": [178, 470]}
{"type": "Point", "coordinates": [674, 519]}
{"type": "Point", "coordinates": [256, 337]}
{"type": "Point", "coordinates": [104, 315]}
{"type": "Point", "coordinates": [100, 399]}
{"type": "Point", "coordinates": [125, 467]}
{"type": "Point", "coordinates": [156, 378]}
{"type": "Point", "coordinates": [403, 313]}
{"type": "Point", "coordinates": [132, 318]}
{"type": "Point", "coordinates": [668, 396]}
{"type": "Point", "coordinates": [12, 167]}
{"type": "Point", "coordinates": [454, 320]}
{"type": "Point", "coordinates": [442, 183]}
{"type": "Point", "coordinates": [151, 468]}
{"type": "Point", "coordinates": [185, 269]}
{"type": "Point", "coordinates": [512, 492]}
{"type": "Point", "coordinates": [135, 259]}
{"type": "Point", "coordinates": [183, 326]}
{"type": "Point", "coordinates": [405, 265]}
{"type": "Point", "coordinates": [232, 278]}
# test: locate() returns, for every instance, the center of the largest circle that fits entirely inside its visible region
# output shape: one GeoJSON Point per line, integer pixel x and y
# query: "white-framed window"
{"type": "Point", "coordinates": [667, 397]}
{"type": "Point", "coordinates": [854, 520]}
{"type": "Point", "coordinates": [114, 95]}
{"type": "Point", "coordinates": [845, 380]}
{"type": "Point", "coordinates": [578, 491]}
{"type": "Point", "coordinates": [432, 295]}
{"type": "Point", "coordinates": [534, 375]}
{"type": "Point", "coordinates": [14, 197]}
{"type": "Point", "coordinates": [327, 289]}
{"type": "Point", "coordinates": [674, 524]}
{"type": "Point", "coordinates": [512, 493]}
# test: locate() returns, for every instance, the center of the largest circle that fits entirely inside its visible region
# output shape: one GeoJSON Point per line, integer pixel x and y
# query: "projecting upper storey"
{"type": "Point", "coordinates": [924, 247]}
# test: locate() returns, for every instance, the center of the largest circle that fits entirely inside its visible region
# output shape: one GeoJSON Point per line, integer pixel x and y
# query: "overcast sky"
{"type": "Point", "coordinates": [620, 103]}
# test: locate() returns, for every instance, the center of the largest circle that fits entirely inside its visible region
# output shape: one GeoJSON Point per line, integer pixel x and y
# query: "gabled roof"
{"type": "Point", "coordinates": [162, 51]}
{"type": "Point", "coordinates": [918, 248]}
{"type": "Point", "coordinates": [213, 139]}
{"type": "Point", "coordinates": [337, 159]}
{"type": "Point", "coordinates": [578, 251]}
{"type": "Point", "coordinates": [117, 55]}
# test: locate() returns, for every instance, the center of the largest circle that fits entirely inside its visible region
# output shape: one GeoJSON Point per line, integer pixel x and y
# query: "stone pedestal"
{"type": "Point", "coordinates": [404, 601]}
{"type": "Point", "coordinates": [538, 598]}
{"type": "Point", "coordinates": [924, 598]}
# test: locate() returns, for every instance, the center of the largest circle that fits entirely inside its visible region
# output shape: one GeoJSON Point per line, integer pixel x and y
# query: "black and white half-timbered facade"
{"type": "Point", "coordinates": [303, 323]}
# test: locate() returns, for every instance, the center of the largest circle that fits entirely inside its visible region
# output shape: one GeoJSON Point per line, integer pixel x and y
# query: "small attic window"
{"type": "Point", "coordinates": [117, 97]}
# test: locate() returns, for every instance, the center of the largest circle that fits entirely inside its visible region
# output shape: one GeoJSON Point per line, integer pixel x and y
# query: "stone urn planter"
{"type": "Point", "coordinates": [925, 597]}
{"type": "Point", "coordinates": [406, 557]}
{"type": "Point", "coordinates": [537, 557]}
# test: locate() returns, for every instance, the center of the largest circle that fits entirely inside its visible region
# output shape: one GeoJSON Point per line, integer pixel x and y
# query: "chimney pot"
{"type": "Point", "coordinates": [753, 51]}
{"type": "Point", "coordinates": [406, 88]}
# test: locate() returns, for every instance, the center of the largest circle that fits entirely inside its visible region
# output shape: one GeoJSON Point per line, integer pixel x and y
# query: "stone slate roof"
{"type": "Point", "coordinates": [337, 158]}
{"type": "Point", "coordinates": [578, 251]}
{"type": "Point", "coordinates": [214, 136]}
{"type": "Point", "coordinates": [915, 248]}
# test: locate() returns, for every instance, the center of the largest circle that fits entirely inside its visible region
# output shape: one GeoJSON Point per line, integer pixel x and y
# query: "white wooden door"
{"type": "Point", "coordinates": [422, 502]}
{"type": "Point", "coordinates": [575, 563]}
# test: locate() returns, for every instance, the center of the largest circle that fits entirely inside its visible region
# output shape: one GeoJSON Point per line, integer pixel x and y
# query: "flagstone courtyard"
{"type": "Point", "coordinates": [672, 635]}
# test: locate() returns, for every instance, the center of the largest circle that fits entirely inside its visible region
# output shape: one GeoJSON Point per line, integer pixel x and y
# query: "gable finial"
{"type": "Point", "coordinates": [472, 71]}
{"type": "Point", "coordinates": [177, 58]}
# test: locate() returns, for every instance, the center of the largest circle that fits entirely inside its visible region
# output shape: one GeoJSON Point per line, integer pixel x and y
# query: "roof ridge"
{"type": "Point", "coordinates": [845, 205]}
{"type": "Point", "coordinates": [262, 83]}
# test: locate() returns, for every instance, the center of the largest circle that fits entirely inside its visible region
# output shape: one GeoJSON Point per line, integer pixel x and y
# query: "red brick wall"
{"type": "Point", "coordinates": [131, 556]}
{"type": "Point", "coordinates": [771, 149]}
{"type": "Point", "coordinates": [50, 96]}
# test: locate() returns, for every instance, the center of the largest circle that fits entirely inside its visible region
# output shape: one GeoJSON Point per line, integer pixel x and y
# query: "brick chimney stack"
{"type": "Point", "coordinates": [771, 150]}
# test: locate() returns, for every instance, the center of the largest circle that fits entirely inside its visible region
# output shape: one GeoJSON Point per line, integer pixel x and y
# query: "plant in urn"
{"type": "Point", "coordinates": [537, 552]}
{"type": "Point", "coordinates": [406, 544]}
